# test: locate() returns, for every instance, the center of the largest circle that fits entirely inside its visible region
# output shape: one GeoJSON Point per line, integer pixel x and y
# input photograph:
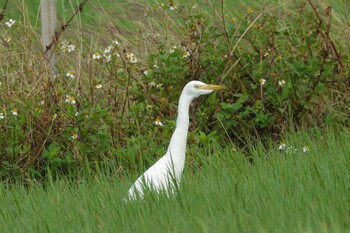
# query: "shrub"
{"type": "Point", "coordinates": [282, 68]}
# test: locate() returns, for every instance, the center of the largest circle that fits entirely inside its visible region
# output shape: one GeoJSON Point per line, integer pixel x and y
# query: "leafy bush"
{"type": "Point", "coordinates": [283, 70]}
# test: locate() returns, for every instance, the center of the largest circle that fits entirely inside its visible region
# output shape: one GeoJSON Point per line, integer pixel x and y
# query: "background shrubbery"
{"type": "Point", "coordinates": [122, 67]}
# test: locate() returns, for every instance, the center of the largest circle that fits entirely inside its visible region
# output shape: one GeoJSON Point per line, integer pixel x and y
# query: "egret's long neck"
{"type": "Point", "coordinates": [177, 146]}
{"type": "Point", "coordinates": [183, 119]}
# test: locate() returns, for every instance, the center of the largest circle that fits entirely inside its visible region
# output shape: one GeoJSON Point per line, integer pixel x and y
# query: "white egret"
{"type": "Point", "coordinates": [166, 172]}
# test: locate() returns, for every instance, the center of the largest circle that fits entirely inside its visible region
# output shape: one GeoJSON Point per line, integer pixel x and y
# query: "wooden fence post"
{"type": "Point", "coordinates": [48, 27]}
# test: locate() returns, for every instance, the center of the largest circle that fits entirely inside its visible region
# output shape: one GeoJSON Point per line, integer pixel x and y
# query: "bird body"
{"type": "Point", "coordinates": [165, 174]}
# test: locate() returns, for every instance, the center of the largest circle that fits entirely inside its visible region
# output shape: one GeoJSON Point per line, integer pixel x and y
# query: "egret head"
{"type": "Point", "coordinates": [197, 88]}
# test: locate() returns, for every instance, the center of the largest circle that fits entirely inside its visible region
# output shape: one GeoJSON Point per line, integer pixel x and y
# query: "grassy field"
{"type": "Point", "coordinates": [275, 191]}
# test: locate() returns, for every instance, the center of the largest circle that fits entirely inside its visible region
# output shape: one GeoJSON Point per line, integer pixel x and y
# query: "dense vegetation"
{"type": "Point", "coordinates": [121, 67]}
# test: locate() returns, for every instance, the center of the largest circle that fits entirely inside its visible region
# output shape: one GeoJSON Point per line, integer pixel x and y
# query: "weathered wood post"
{"type": "Point", "coordinates": [48, 27]}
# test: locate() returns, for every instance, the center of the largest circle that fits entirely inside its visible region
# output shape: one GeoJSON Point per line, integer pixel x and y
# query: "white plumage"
{"type": "Point", "coordinates": [166, 172]}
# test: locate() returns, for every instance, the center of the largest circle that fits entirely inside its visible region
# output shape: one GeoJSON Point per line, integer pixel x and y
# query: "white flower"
{"type": "Point", "coordinates": [70, 74]}
{"type": "Point", "coordinates": [64, 45]}
{"type": "Point", "coordinates": [15, 111]}
{"type": "Point", "coordinates": [158, 122]}
{"type": "Point", "coordinates": [266, 54]}
{"type": "Point", "coordinates": [98, 86]}
{"type": "Point", "coordinates": [108, 49]}
{"type": "Point", "coordinates": [133, 60]}
{"type": "Point", "coordinates": [129, 55]}
{"type": "Point", "coordinates": [185, 54]}
{"type": "Point", "coordinates": [172, 49]}
{"type": "Point", "coordinates": [70, 99]}
{"type": "Point", "coordinates": [74, 136]}
{"type": "Point", "coordinates": [96, 56]}
{"type": "Point", "coordinates": [291, 149]}
{"type": "Point", "coordinates": [10, 22]}
{"type": "Point", "coordinates": [2, 115]}
{"type": "Point", "coordinates": [281, 83]}
{"type": "Point", "coordinates": [108, 57]}
{"type": "Point", "coordinates": [155, 66]}
{"type": "Point", "coordinates": [262, 82]}
{"type": "Point", "coordinates": [70, 48]}
{"type": "Point", "coordinates": [171, 8]}
{"type": "Point", "coordinates": [116, 54]}
{"type": "Point", "coordinates": [42, 102]}
{"type": "Point", "coordinates": [145, 72]}
{"type": "Point", "coordinates": [115, 42]}
{"type": "Point", "coordinates": [152, 84]}
{"type": "Point", "coordinates": [76, 114]}
{"type": "Point", "coordinates": [305, 149]}
{"type": "Point", "coordinates": [282, 146]}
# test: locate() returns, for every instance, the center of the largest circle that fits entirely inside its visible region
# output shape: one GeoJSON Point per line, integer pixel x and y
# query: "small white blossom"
{"type": "Point", "coordinates": [281, 83]}
{"type": "Point", "coordinates": [2, 115]}
{"type": "Point", "coordinates": [70, 99]}
{"type": "Point", "coordinates": [74, 136]}
{"type": "Point", "coordinates": [129, 55]}
{"type": "Point", "coordinates": [133, 60]}
{"type": "Point", "coordinates": [282, 146]}
{"type": "Point", "coordinates": [76, 114]}
{"type": "Point", "coordinates": [108, 49]}
{"type": "Point", "coordinates": [70, 74]}
{"type": "Point", "coordinates": [70, 48]}
{"type": "Point", "coordinates": [305, 149]}
{"type": "Point", "coordinates": [96, 56]}
{"type": "Point", "coordinates": [172, 49]}
{"type": "Point", "coordinates": [262, 82]}
{"type": "Point", "coordinates": [15, 111]}
{"type": "Point", "coordinates": [64, 45]}
{"type": "Point", "coordinates": [145, 72]}
{"type": "Point", "coordinates": [98, 86]}
{"type": "Point", "coordinates": [10, 22]}
{"type": "Point", "coordinates": [158, 122]}
{"type": "Point", "coordinates": [155, 66]}
{"type": "Point", "coordinates": [291, 149]}
{"type": "Point", "coordinates": [115, 42]}
{"type": "Point", "coordinates": [116, 54]}
{"type": "Point", "coordinates": [171, 8]}
{"type": "Point", "coordinates": [108, 58]}
{"type": "Point", "coordinates": [186, 54]}
{"type": "Point", "coordinates": [266, 54]}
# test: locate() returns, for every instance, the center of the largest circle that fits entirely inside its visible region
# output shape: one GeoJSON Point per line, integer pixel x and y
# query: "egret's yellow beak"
{"type": "Point", "coordinates": [211, 87]}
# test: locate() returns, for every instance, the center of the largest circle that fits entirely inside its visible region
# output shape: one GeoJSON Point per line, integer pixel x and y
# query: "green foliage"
{"type": "Point", "coordinates": [284, 69]}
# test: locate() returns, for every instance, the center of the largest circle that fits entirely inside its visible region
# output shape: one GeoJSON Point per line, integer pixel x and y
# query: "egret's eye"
{"type": "Point", "coordinates": [196, 86]}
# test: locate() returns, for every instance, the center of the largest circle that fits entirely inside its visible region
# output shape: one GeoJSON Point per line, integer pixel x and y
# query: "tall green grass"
{"type": "Point", "coordinates": [272, 191]}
